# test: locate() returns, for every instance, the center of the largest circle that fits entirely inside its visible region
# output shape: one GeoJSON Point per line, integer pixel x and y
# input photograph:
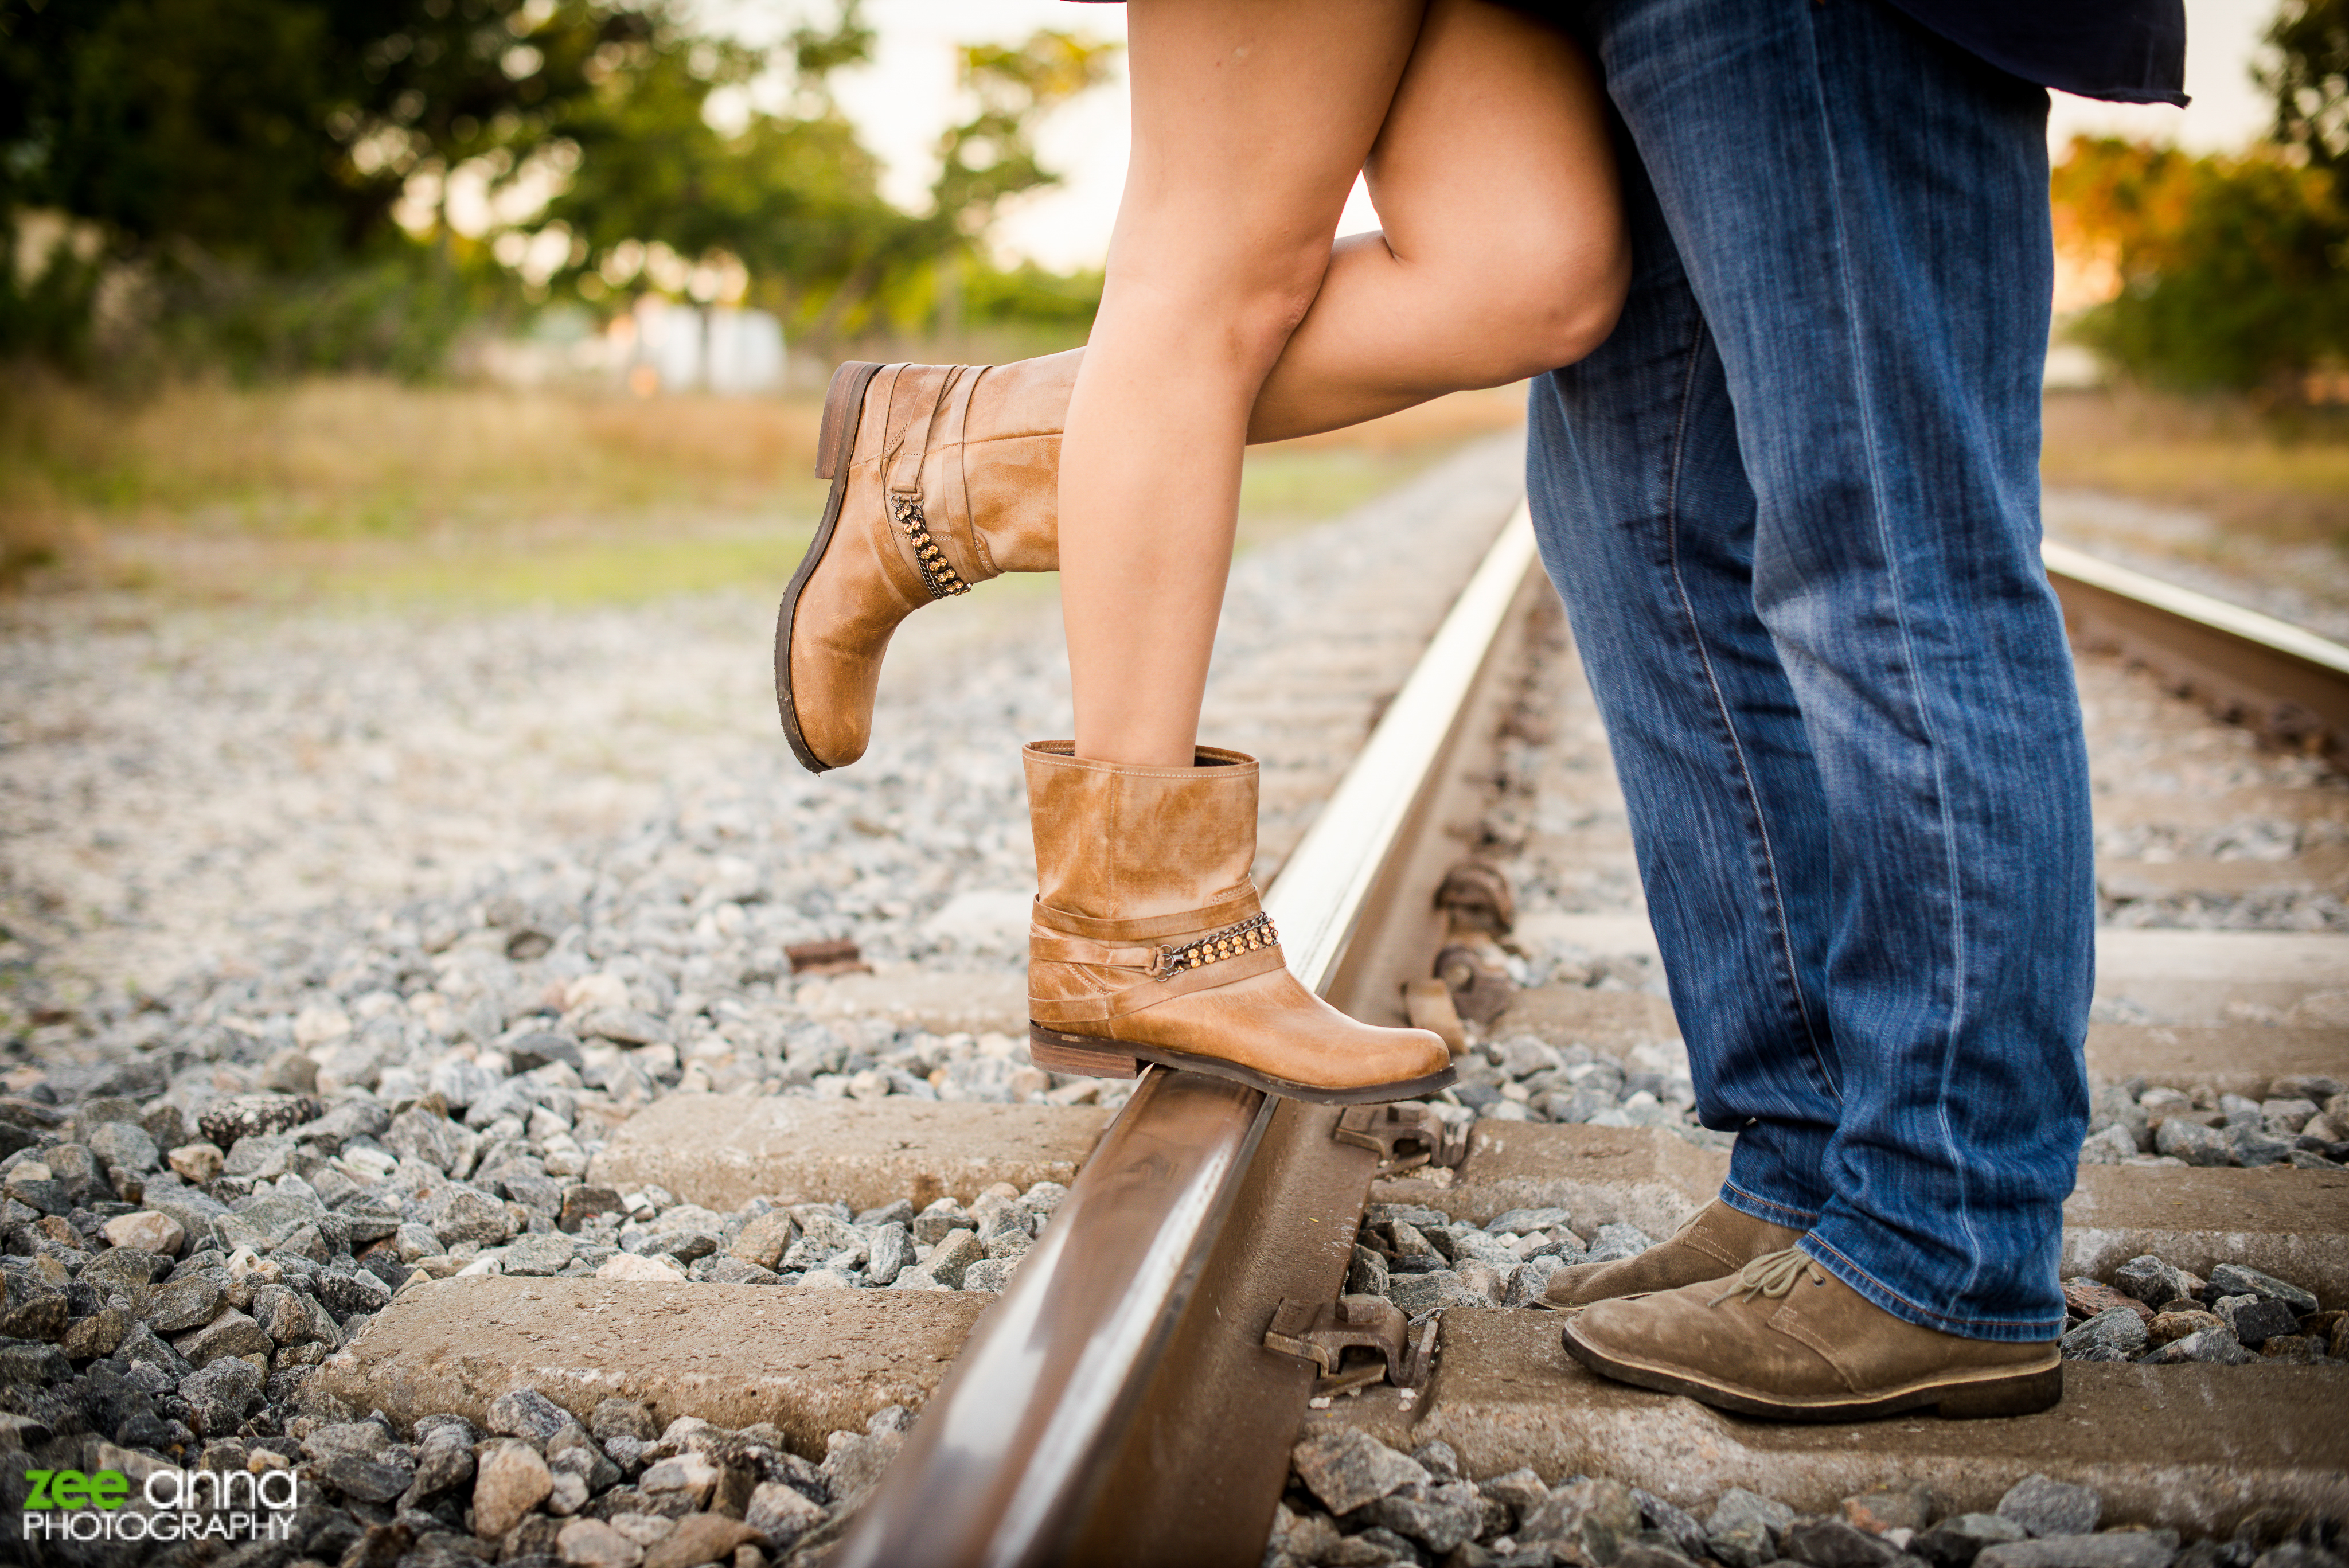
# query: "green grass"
{"type": "Point", "coordinates": [2266, 478]}
{"type": "Point", "coordinates": [560, 573]}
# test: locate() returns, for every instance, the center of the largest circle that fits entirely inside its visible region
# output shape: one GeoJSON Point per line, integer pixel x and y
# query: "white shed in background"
{"type": "Point", "coordinates": [670, 347]}
{"type": "Point", "coordinates": [742, 351]}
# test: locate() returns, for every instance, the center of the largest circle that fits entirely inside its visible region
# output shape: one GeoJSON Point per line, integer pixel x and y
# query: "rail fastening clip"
{"type": "Point", "coordinates": [1322, 1334]}
{"type": "Point", "coordinates": [1404, 1137]}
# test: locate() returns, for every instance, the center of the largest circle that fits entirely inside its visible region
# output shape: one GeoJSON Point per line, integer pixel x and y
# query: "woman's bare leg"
{"type": "Point", "coordinates": [1249, 123]}
{"type": "Point", "coordinates": [1501, 254]}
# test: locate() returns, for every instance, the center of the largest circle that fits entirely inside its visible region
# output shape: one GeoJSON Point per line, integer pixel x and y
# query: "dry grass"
{"type": "Point", "coordinates": [2260, 477]}
{"type": "Point", "coordinates": [372, 489]}
{"type": "Point", "coordinates": [345, 458]}
{"type": "Point", "coordinates": [1291, 484]}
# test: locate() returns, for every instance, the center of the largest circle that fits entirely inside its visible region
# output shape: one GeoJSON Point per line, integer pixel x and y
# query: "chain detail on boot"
{"type": "Point", "coordinates": [1214, 955]}
{"type": "Point", "coordinates": [938, 575]}
{"type": "Point", "coordinates": [1257, 931]}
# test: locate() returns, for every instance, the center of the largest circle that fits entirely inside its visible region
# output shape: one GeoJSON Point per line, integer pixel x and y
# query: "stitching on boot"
{"type": "Point", "coordinates": [1699, 1243]}
{"type": "Point", "coordinates": [1787, 1319]}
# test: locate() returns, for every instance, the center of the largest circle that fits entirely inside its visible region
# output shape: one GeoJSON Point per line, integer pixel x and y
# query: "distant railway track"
{"type": "Point", "coordinates": [2289, 684]}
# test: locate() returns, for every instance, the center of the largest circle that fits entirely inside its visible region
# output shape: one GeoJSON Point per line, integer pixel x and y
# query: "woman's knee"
{"type": "Point", "coordinates": [1249, 299]}
{"type": "Point", "coordinates": [1542, 306]}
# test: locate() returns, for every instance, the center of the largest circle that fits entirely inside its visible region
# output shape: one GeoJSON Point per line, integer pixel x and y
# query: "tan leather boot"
{"type": "Point", "coordinates": [1714, 1241]}
{"type": "Point", "coordinates": [1784, 1338]}
{"type": "Point", "coordinates": [942, 476]}
{"type": "Point", "coordinates": [1149, 945]}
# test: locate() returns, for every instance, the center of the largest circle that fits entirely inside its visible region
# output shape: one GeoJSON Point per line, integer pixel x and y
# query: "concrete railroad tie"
{"type": "Point", "coordinates": [2206, 1443]}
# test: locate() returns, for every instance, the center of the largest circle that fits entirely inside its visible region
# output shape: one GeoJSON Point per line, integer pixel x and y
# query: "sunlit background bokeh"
{"type": "Point", "coordinates": [527, 299]}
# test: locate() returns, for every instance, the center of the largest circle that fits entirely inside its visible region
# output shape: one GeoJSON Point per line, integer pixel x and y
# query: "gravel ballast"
{"type": "Point", "coordinates": [333, 957]}
{"type": "Point", "coordinates": [1351, 1500]}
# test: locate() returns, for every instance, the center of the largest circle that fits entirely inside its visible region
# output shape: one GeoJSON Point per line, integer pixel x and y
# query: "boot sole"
{"type": "Point", "coordinates": [1953, 1397]}
{"type": "Point", "coordinates": [843, 408]}
{"type": "Point", "coordinates": [1093, 1057]}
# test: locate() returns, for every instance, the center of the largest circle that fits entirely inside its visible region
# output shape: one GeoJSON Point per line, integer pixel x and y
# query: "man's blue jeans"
{"type": "Point", "coordinates": [1793, 507]}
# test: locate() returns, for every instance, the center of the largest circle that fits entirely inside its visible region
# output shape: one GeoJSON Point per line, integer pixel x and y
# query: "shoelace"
{"type": "Point", "coordinates": [1771, 1275]}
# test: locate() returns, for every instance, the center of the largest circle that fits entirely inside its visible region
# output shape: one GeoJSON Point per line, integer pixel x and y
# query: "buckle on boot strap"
{"type": "Point", "coordinates": [1404, 1137]}
{"type": "Point", "coordinates": [1323, 1334]}
{"type": "Point", "coordinates": [1251, 934]}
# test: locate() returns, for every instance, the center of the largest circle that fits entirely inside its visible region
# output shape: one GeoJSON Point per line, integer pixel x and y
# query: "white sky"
{"type": "Point", "coordinates": [906, 97]}
{"type": "Point", "coordinates": [2228, 111]}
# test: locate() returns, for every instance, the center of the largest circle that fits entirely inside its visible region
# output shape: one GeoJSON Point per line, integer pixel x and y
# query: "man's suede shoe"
{"type": "Point", "coordinates": [1713, 1243]}
{"type": "Point", "coordinates": [1784, 1338]}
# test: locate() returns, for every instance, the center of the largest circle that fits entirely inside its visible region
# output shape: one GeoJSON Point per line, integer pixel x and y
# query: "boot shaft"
{"type": "Point", "coordinates": [974, 450]}
{"type": "Point", "coordinates": [1011, 459]}
{"type": "Point", "coordinates": [1119, 842]}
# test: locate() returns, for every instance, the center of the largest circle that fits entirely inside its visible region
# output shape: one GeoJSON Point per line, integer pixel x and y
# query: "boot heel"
{"type": "Point", "coordinates": [1080, 1054]}
{"type": "Point", "coordinates": [841, 402]}
{"type": "Point", "coordinates": [2024, 1395]}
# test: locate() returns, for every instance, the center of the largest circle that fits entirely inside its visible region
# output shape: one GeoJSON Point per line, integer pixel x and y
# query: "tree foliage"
{"type": "Point", "coordinates": [795, 199]}
{"type": "Point", "coordinates": [992, 155]}
{"type": "Point", "coordinates": [283, 175]}
{"type": "Point", "coordinates": [2234, 270]}
{"type": "Point", "coordinates": [280, 132]}
{"type": "Point", "coordinates": [2231, 267]}
{"type": "Point", "coordinates": [2310, 80]}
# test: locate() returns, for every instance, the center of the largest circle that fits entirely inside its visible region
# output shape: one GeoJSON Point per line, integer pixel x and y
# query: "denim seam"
{"type": "Point", "coordinates": [1962, 1207]}
{"type": "Point", "coordinates": [1804, 1217]}
{"type": "Point", "coordinates": [1926, 1316]}
{"type": "Point", "coordinates": [1792, 977]}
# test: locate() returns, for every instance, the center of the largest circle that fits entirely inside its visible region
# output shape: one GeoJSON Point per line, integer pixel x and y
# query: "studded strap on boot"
{"type": "Point", "coordinates": [942, 476]}
{"type": "Point", "coordinates": [1149, 944]}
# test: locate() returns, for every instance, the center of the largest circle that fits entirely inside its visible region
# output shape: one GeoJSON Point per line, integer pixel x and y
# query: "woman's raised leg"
{"type": "Point", "coordinates": [1149, 944]}
{"type": "Point", "coordinates": [1501, 252]}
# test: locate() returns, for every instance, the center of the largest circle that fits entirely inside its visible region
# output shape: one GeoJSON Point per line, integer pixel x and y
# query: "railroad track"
{"type": "Point", "coordinates": [2289, 685]}
{"type": "Point", "coordinates": [1134, 1393]}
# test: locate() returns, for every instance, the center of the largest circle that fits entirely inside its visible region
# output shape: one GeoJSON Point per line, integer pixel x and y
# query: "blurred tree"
{"type": "Point", "coordinates": [992, 155]}
{"type": "Point", "coordinates": [791, 199]}
{"type": "Point", "coordinates": [253, 161]}
{"type": "Point", "coordinates": [2310, 80]}
{"type": "Point", "coordinates": [278, 132]}
{"type": "Point", "coordinates": [2232, 268]}
{"type": "Point", "coordinates": [1028, 294]}
{"type": "Point", "coordinates": [795, 199]}
{"type": "Point", "coordinates": [241, 161]}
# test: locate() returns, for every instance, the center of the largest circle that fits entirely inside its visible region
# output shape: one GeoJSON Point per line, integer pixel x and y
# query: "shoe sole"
{"type": "Point", "coordinates": [1056, 1051]}
{"type": "Point", "coordinates": [1956, 1397]}
{"type": "Point", "coordinates": [844, 411]}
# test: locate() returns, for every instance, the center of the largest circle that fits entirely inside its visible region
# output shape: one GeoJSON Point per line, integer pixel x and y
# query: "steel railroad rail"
{"type": "Point", "coordinates": [2289, 684]}
{"type": "Point", "coordinates": [1120, 1404]}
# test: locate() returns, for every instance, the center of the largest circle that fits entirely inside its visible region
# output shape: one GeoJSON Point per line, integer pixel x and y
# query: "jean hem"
{"type": "Point", "coordinates": [1755, 1206]}
{"type": "Point", "coordinates": [2009, 1330]}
